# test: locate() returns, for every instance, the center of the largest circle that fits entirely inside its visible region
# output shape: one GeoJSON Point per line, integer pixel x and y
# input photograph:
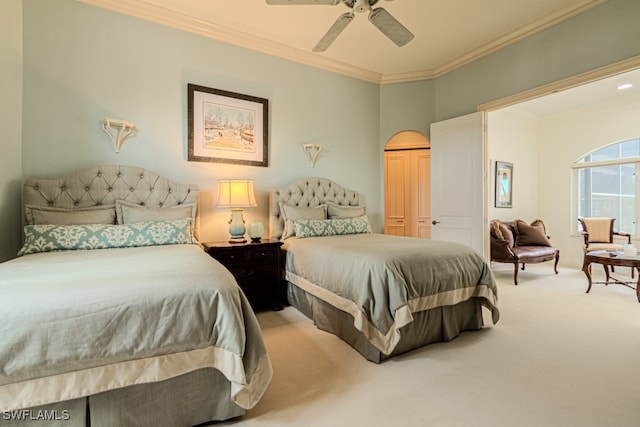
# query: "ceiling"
{"type": "Point", "coordinates": [448, 33]}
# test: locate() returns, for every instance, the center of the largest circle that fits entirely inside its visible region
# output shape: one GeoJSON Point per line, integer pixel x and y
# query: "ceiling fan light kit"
{"type": "Point", "coordinates": [379, 17]}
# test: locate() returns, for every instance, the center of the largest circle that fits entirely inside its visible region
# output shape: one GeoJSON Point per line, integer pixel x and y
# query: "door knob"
{"type": "Point", "coordinates": [434, 222]}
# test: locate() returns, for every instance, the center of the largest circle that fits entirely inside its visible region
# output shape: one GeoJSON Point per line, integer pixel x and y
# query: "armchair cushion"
{"type": "Point", "coordinates": [502, 231]}
{"type": "Point", "coordinates": [599, 229]}
{"type": "Point", "coordinates": [533, 234]}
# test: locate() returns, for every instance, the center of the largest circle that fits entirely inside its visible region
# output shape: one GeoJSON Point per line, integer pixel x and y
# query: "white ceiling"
{"type": "Point", "coordinates": [448, 33]}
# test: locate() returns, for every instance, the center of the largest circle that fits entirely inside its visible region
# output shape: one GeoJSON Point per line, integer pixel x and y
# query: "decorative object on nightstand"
{"type": "Point", "coordinates": [236, 194]}
{"type": "Point", "coordinates": [255, 231]}
{"type": "Point", "coordinates": [257, 267]}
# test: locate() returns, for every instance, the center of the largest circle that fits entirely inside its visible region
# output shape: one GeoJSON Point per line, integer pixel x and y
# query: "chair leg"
{"type": "Point", "coordinates": [555, 265]}
{"type": "Point", "coordinates": [515, 273]}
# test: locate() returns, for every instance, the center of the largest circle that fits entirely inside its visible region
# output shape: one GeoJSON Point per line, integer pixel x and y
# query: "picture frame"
{"type": "Point", "coordinates": [504, 185]}
{"type": "Point", "coordinates": [227, 127]}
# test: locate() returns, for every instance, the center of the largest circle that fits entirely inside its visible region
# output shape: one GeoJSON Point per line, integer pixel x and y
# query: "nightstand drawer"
{"type": "Point", "coordinates": [267, 256]}
{"type": "Point", "coordinates": [253, 272]}
{"type": "Point", "coordinates": [229, 258]}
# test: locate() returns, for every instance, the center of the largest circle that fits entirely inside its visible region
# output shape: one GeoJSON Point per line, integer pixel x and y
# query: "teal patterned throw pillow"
{"type": "Point", "coordinates": [331, 227]}
{"type": "Point", "coordinates": [49, 237]}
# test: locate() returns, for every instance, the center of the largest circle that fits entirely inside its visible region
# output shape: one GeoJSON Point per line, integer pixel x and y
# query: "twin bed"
{"type": "Point", "coordinates": [384, 295]}
{"type": "Point", "coordinates": [139, 326]}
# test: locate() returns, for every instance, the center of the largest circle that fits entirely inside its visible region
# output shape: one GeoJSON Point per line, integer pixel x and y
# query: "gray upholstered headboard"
{"type": "Point", "coordinates": [306, 192]}
{"type": "Point", "coordinates": [102, 185]}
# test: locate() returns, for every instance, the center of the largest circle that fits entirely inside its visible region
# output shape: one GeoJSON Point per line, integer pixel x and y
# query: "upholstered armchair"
{"type": "Point", "coordinates": [519, 243]}
{"type": "Point", "coordinates": [599, 235]}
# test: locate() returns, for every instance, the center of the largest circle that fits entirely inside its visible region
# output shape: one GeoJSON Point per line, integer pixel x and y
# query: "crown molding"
{"type": "Point", "coordinates": [521, 33]}
{"type": "Point", "coordinates": [143, 10]}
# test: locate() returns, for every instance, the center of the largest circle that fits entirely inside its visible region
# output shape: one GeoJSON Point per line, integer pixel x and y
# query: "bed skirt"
{"type": "Point", "coordinates": [184, 401]}
{"type": "Point", "coordinates": [429, 326]}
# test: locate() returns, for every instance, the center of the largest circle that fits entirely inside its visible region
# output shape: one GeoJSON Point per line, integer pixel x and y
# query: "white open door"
{"type": "Point", "coordinates": [458, 181]}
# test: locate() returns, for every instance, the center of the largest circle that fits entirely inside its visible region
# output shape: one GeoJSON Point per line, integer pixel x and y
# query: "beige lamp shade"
{"type": "Point", "coordinates": [236, 193]}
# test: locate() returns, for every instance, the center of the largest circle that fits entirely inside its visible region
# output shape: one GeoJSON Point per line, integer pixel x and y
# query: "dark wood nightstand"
{"type": "Point", "coordinates": [257, 268]}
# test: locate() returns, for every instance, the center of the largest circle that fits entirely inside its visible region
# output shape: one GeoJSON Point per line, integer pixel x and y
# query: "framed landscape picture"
{"type": "Point", "coordinates": [504, 184]}
{"type": "Point", "coordinates": [227, 127]}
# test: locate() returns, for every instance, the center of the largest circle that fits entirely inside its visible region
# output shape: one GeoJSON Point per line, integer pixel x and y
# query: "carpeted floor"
{"type": "Point", "coordinates": [558, 357]}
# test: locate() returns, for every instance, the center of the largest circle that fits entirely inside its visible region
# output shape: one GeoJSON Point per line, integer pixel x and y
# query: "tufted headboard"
{"type": "Point", "coordinates": [306, 192]}
{"type": "Point", "coordinates": [102, 185]}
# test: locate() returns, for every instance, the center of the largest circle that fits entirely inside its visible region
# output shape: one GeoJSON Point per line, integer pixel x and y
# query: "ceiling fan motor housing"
{"type": "Point", "coordinates": [360, 5]}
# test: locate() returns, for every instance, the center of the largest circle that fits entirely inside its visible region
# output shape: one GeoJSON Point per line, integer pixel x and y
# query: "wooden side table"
{"type": "Point", "coordinates": [257, 267]}
{"type": "Point", "coordinates": [607, 259]}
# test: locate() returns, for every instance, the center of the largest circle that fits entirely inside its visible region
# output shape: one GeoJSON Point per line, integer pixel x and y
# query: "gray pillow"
{"type": "Point", "coordinates": [40, 215]}
{"type": "Point", "coordinates": [338, 211]}
{"type": "Point", "coordinates": [291, 212]}
{"type": "Point", "coordinates": [129, 212]}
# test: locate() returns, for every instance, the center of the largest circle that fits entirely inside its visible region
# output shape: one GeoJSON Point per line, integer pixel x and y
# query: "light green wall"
{"type": "Point", "coordinates": [10, 127]}
{"type": "Point", "coordinates": [404, 106]}
{"type": "Point", "coordinates": [603, 35]}
{"type": "Point", "coordinates": [83, 64]}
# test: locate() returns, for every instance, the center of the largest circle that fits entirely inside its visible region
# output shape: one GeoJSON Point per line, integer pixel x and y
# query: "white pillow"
{"type": "Point", "coordinates": [291, 212]}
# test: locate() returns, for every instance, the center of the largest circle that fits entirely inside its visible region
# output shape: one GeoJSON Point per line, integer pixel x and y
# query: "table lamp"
{"type": "Point", "coordinates": [236, 194]}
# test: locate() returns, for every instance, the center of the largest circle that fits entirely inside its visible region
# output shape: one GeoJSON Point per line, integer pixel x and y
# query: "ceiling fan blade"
{"type": "Point", "coordinates": [390, 27]}
{"type": "Point", "coordinates": [335, 30]}
{"type": "Point", "coordinates": [287, 2]}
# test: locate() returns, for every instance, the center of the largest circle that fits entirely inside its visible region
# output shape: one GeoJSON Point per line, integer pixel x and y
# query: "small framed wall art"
{"type": "Point", "coordinates": [504, 185]}
{"type": "Point", "coordinates": [227, 127]}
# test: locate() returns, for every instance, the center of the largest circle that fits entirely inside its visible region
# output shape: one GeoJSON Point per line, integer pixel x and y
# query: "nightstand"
{"type": "Point", "coordinates": [257, 267]}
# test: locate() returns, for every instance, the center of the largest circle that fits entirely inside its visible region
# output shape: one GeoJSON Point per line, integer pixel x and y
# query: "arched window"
{"type": "Point", "coordinates": [607, 185]}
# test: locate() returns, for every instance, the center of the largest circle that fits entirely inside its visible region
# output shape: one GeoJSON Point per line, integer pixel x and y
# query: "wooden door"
{"type": "Point", "coordinates": [397, 175]}
{"type": "Point", "coordinates": [421, 193]}
{"type": "Point", "coordinates": [408, 193]}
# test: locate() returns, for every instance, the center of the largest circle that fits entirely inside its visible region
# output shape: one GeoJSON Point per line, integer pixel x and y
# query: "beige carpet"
{"type": "Point", "coordinates": [558, 357]}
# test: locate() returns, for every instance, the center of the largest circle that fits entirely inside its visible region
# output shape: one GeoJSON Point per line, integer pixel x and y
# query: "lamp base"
{"type": "Point", "coordinates": [236, 227]}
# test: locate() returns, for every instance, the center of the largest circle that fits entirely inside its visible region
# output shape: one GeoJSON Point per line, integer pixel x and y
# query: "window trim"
{"type": "Point", "coordinates": [585, 165]}
{"type": "Point", "coordinates": [577, 165]}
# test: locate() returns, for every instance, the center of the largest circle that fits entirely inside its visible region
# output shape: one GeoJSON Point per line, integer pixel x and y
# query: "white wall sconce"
{"type": "Point", "coordinates": [311, 151]}
{"type": "Point", "coordinates": [118, 130]}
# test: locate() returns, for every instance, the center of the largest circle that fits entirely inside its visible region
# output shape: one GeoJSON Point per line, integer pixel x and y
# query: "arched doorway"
{"type": "Point", "coordinates": [407, 185]}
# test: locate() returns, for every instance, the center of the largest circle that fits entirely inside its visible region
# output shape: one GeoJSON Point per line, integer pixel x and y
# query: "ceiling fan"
{"type": "Point", "coordinates": [379, 17]}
